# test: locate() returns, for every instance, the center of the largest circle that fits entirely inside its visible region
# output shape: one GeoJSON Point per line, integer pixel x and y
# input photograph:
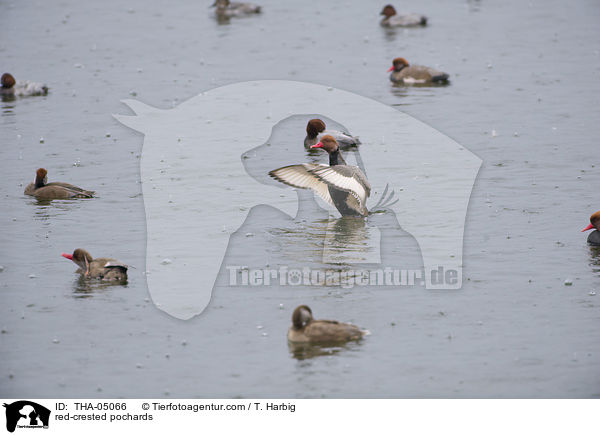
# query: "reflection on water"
{"type": "Point", "coordinates": [87, 288]}
{"type": "Point", "coordinates": [595, 258]}
{"type": "Point", "coordinates": [350, 240]}
{"type": "Point", "coordinates": [303, 351]}
{"type": "Point", "coordinates": [47, 209]}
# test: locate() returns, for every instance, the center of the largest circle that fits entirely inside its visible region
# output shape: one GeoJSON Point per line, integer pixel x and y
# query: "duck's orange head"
{"type": "Point", "coordinates": [328, 143]}
{"type": "Point", "coordinates": [80, 257]}
{"type": "Point", "coordinates": [41, 177]}
{"type": "Point", "coordinates": [594, 222]}
{"type": "Point", "coordinates": [388, 11]}
{"type": "Point", "coordinates": [7, 80]}
{"type": "Point", "coordinates": [398, 64]}
{"type": "Point", "coordinates": [314, 127]}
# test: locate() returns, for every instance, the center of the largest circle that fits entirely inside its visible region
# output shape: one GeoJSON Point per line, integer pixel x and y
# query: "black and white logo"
{"type": "Point", "coordinates": [25, 414]}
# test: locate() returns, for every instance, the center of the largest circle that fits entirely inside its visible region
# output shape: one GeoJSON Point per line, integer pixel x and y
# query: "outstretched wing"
{"type": "Point", "coordinates": [303, 177]}
{"type": "Point", "coordinates": [348, 178]}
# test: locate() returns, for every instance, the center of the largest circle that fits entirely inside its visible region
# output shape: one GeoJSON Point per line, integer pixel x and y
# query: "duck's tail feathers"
{"type": "Point", "coordinates": [440, 78]}
{"type": "Point", "coordinates": [386, 200]}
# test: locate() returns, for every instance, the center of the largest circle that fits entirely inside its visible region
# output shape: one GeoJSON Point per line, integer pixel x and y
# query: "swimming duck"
{"type": "Point", "coordinates": [21, 88]}
{"type": "Point", "coordinates": [403, 72]}
{"type": "Point", "coordinates": [392, 19]}
{"type": "Point", "coordinates": [345, 187]}
{"type": "Point", "coordinates": [41, 189]}
{"type": "Point", "coordinates": [315, 129]}
{"type": "Point", "coordinates": [305, 329]}
{"type": "Point", "coordinates": [227, 9]}
{"type": "Point", "coordinates": [594, 237]}
{"type": "Point", "coordinates": [106, 269]}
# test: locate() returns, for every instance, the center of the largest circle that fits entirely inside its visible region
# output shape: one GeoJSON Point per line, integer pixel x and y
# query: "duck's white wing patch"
{"type": "Point", "coordinates": [116, 264]}
{"type": "Point", "coordinates": [302, 177]}
{"type": "Point", "coordinates": [342, 177]}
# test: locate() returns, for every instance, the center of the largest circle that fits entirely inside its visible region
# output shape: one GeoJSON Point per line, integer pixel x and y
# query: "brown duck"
{"type": "Point", "coordinates": [106, 269]}
{"type": "Point", "coordinates": [305, 329]}
{"type": "Point", "coordinates": [403, 72]}
{"type": "Point", "coordinates": [594, 237]}
{"type": "Point", "coordinates": [392, 19]}
{"type": "Point", "coordinates": [41, 189]}
{"type": "Point", "coordinates": [316, 129]}
{"type": "Point", "coordinates": [9, 87]}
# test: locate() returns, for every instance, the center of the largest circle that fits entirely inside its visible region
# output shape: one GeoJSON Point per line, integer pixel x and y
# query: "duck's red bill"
{"type": "Point", "coordinates": [318, 145]}
{"type": "Point", "coordinates": [67, 256]}
{"type": "Point", "coordinates": [391, 69]}
{"type": "Point", "coordinates": [589, 227]}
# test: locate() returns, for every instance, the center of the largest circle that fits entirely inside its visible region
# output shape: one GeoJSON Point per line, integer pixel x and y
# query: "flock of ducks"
{"type": "Point", "coordinates": [402, 71]}
{"type": "Point", "coordinates": [343, 186]}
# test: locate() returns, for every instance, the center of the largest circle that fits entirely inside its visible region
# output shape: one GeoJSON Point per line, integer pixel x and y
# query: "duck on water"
{"type": "Point", "coordinates": [43, 190]}
{"type": "Point", "coordinates": [305, 329]}
{"type": "Point", "coordinates": [316, 129]}
{"type": "Point", "coordinates": [106, 269]}
{"type": "Point", "coordinates": [403, 72]}
{"type": "Point", "coordinates": [594, 237]}
{"type": "Point", "coordinates": [22, 88]}
{"type": "Point", "coordinates": [393, 19]}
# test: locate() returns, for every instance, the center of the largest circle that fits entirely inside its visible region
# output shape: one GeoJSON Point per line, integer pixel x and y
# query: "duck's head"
{"type": "Point", "coordinates": [328, 143]}
{"type": "Point", "coordinates": [388, 11]}
{"type": "Point", "coordinates": [81, 258]}
{"type": "Point", "coordinates": [220, 4]}
{"type": "Point", "coordinates": [301, 317]}
{"type": "Point", "coordinates": [594, 222]}
{"type": "Point", "coordinates": [398, 64]}
{"type": "Point", "coordinates": [7, 81]}
{"type": "Point", "coordinates": [314, 127]}
{"type": "Point", "coordinates": [41, 177]}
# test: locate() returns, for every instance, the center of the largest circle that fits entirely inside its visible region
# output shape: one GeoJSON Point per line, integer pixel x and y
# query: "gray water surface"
{"type": "Point", "coordinates": [523, 97]}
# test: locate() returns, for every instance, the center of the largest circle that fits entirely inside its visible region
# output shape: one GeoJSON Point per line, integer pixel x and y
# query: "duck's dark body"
{"type": "Point", "coordinates": [594, 238]}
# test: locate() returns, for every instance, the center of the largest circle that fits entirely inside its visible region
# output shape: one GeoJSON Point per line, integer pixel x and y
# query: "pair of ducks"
{"type": "Point", "coordinates": [106, 269]}
{"type": "Point", "coordinates": [227, 9]}
{"type": "Point", "coordinates": [343, 186]}
{"type": "Point", "coordinates": [401, 70]}
{"type": "Point", "coordinates": [9, 87]}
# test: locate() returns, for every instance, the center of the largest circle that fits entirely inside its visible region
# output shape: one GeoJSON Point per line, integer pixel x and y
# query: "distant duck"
{"type": "Point", "coordinates": [403, 72]}
{"type": "Point", "coordinates": [41, 189]}
{"type": "Point", "coordinates": [345, 187]}
{"type": "Point", "coordinates": [227, 9]}
{"type": "Point", "coordinates": [392, 19]}
{"type": "Point", "coordinates": [305, 329]}
{"type": "Point", "coordinates": [316, 129]}
{"type": "Point", "coordinates": [106, 269]}
{"type": "Point", "coordinates": [21, 88]}
{"type": "Point", "coordinates": [594, 237]}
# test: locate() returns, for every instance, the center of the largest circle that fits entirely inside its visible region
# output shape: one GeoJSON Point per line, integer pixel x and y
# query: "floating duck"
{"type": "Point", "coordinates": [392, 19]}
{"type": "Point", "coordinates": [22, 88]}
{"type": "Point", "coordinates": [403, 72]}
{"type": "Point", "coordinates": [594, 237]}
{"type": "Point", "coordinates": [41, 189]}
{"type": "Point", "coordinates": [316, 129]}
{"type": "Point", "coordinates": [106, 269]}
{"type": "Point", "coordinates": [228, 9]}
{"type": "Point", "coordinates": [305, 329]}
